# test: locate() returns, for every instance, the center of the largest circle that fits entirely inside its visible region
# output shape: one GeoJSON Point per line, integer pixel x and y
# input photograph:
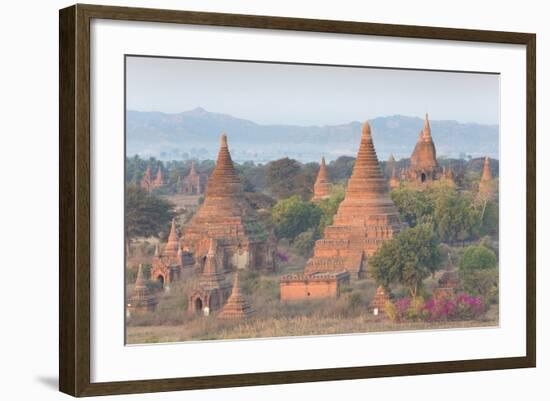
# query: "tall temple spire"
{"type": "Point", "coordinates": [172, 245]}
{"type": "Point", "coordinates": [486, 174]}
{"type": "Point", "coordinates": [193, 171]}
{"type": "Point", "coordinates": [486, 187]}
{"type": "Point", "coordinates": [224, 181]}
{"type": "Point", "coordinates": [365, 218]}
{"type": "Point", "coordinates": [394, 181]}
{"type": "Point", "coordinates": [366, 178]}
{"type": "Point", "coordinates": [321, 188]}
{"type": "Point", "coordinates": [427, 132]}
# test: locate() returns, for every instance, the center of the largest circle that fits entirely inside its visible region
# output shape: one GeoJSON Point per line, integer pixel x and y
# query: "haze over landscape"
{"type": "Point", "coordinates": [177, 108]}
{"type": "Point", "coordinates": [195, 134]}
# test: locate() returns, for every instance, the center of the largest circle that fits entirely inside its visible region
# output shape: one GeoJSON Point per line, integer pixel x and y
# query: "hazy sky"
{"type": "Point", "coordinates": [308, 95]}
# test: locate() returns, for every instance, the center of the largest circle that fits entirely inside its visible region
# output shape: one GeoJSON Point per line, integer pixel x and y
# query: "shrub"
{"type": "Point", "coordinates": [477, 258]}
{"type": "Point", "coordinates": [304, 243]}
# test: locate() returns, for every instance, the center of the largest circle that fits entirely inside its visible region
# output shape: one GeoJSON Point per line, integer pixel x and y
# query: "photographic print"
{"type": "Point", "coordinates": [268, 199]}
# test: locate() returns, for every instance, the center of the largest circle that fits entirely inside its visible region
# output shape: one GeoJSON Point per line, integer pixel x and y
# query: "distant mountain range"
{"type": "Point", "coordinates": [195, 134]}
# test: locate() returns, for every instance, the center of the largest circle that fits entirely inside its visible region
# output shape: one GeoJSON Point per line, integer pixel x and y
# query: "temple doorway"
{"type": "Point", "coordinates": [198, 305]}
{"type": "Point", "coordinates": [423, 177]}
{"type": "Point", "coordinates": [160, 281]}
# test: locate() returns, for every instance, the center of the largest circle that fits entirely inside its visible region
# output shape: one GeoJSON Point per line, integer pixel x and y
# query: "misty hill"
{"type": "Point", "coordinates": [196, 134]}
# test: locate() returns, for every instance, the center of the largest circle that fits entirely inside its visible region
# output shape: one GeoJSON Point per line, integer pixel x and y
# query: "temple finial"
{"type": "Point", "coordinates": [223, 140]}
{"type": "Point", "coordinates": [366, 133]}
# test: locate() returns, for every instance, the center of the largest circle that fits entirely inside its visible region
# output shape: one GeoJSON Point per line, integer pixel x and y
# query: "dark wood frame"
{"type": "Point", "coordinates": [74, 199]}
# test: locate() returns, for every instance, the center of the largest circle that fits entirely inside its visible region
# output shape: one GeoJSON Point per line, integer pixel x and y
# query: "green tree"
{"type": "Point", "coordinates": [414, 206]}
{"type": "Point", "coordinates": [293, 216]}
{"type": "Point", "coordinates": [489, 218]}
{"type": "Point", "coordinates": [281, 177]}
{"type": "Point", "coordinates": [479, 273]}
{"type": "Point", "coordinates": [146, 214]}
{"type": "Point", "coordinates": [456, 217]}
{"type": "Point", "coordinates": [305, 242]}
{"type": "Point", "coordinates": [477, 257]}
{"type": "Point", "coordinates": [341, 168]}
{"type": "Point", "coordinates": [407, 259]}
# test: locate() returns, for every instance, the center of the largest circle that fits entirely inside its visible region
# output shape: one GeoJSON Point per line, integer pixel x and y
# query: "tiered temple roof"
{"type": "Point", "coordinates": [424, 166]}
{"type": "Point", "coordinates": [147, 180]}
{"type": "Point", "coordinates": [322, 186]}
{"type": "Point", "coordinates": [365, 219]}
{"type": "Point", "coordinates": [237, 306]}
{"type": "Point", "coordinates": [226, 217]}
{"type": "Point", "coordinates": [212, 290]}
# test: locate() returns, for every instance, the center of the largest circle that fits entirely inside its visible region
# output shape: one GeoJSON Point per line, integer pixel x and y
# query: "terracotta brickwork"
{"type": "Point", "coordinates": [148, 183]}
{"type": "Point", "coordinates": [365, 219]}
{"type": "Point", "coordinates": [237, 306]}
{"type": "Point", "coordinates": [322, 186]}
{"type": "Point", "coordinates": [295, 287]}
{"type": "Point", "coordinates": [424, 167]}
{"type": "Point", "coordinates": [170, 263]}
{"type": "Point", "coordinates": [212, 291]}
{"type": "Point", "coordinates": [226, 217]}
{"type": "Point", "coordinates": [486, 183]}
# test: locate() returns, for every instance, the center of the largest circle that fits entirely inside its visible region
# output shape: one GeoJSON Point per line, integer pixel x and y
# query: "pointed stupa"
{"type": "Point", "coordinates": [193, 171]}
{"type": "Point", "coordinates": [227, 217]}
{"type": "Point", "coordinates": [486, 173]}
{"type": "Point", "coordinates": [159, 180]}
{"type": "Point", "coordinates": [147, 180]}
{"type": "Point", "coordinates": [237, 306]}
{"type": "Point", "coordinates": [486, 188]}
{"type": "Point", "coordinates": [365, 219]}
{"type": "Point", "coordinates": [394, 181]}
{"type": "Point", "coordinates": [172, 246]}
{"type": "Point", "coordinates": [322, 186]}
{"type": "Point", "coordinates": [141, 299]}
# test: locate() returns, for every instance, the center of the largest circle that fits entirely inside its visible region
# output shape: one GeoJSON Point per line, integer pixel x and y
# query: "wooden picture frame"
{"type": "Point", "coordinates": [75, 207]}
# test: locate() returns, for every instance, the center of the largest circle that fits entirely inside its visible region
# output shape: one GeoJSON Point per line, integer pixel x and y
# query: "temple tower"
{"type": "Point", "coordinates": [212, 290]}
{"type": "Point", "coordinates": [226, 216]}
{"type": "Point", "coordinates": [194, 183]}
{"type": "Point", "coordinates": [486, 184]}
{"type": "Point", "coordinates": [423, 165]}
{"type": "Point", "coordinates": [322, 186]}
{"type": "Point", "coordinates": [365, 219]}
{"type": "Point", "coordinates": [394, 181]}
{"type": "Point", "coordinates": [237, 307]}
{"type": "Point", "coordinates": [147, 180]}
{"type": "Point", "coordinates": [159, 180]}
{"type": "Point", "coordinates": [141, 300]}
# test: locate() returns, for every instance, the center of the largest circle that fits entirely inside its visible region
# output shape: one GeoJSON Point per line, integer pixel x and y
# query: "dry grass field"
{"type": "Point", "coordinates": [347, 314]}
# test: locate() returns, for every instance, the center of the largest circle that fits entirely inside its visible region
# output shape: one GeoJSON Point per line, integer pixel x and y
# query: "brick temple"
{"type": "Point", "coordinates": [193, 183]}
{"type": "Point", "coordinates": [295, 287]}
{"type": "Point", "coordinates": [322, 186]}
{"type": "Point", "coordinates": [141, 300]}
{"type": "Point", "coordinates": [213, 290]}
{"type": "Point", "coordinates": [148, 183]}
{"type": "Point", "coordinates": [424, 167]}
{"type": "Point", "coordinates": [226, 217]}
{"type": "Point", "coordinates": [168, 265]}
{"type": "Point", "coordinates": [365, 219]}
